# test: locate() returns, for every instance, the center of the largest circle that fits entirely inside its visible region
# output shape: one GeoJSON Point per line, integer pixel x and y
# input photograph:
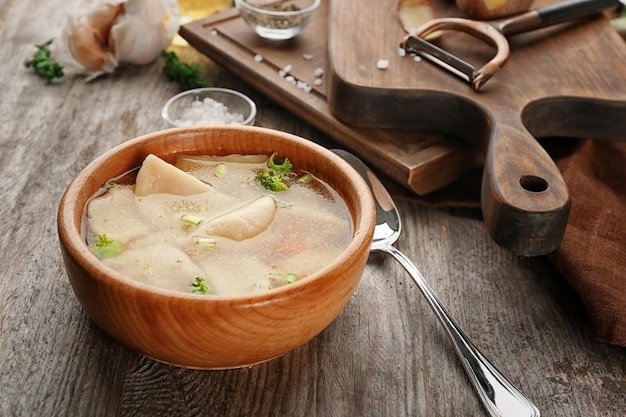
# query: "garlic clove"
{"type": "Point", "coordinates": [116, 32]}
{"type": "Point", "coordinates": [144, 30]}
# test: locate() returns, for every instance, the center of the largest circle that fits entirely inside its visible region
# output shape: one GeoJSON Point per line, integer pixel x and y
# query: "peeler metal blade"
{"type": "Point", "coordinates": [438, 56]}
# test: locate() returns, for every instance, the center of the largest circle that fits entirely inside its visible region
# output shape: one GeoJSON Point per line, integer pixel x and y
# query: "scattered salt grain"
{"type": "Point", "coordinates": [208, 112]}
{"type": "Point", "coordinates": [319, 72]}
{"type": "Point", "coordinates": [214, 32]}
{"type": "Point", "coordinates": [417, 58]}
{"type": "Point", "coordinates": [258, 58]}
{"type": "Point", "coordinates": [317, 81]}
{"type": "Point", "coordinates": [382, 64]}
{"type": "Point", "coordinates": [401, 51]}
{"type": "Point", "coordinates": [307, 57]}
{"type": "Point", "coordinates": [304, 86]}
{"type": "Point", "coordinates": [290, 79]}
{"type": "Point", "coordinates": [285, 70]}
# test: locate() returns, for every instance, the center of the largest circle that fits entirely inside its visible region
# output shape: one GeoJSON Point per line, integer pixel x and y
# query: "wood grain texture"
{"type": "Point", "coordinates": [384, 356]}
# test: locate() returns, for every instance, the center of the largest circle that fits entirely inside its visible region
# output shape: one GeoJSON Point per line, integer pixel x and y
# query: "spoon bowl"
{"type": "Point", "coordinates": [499, 397]}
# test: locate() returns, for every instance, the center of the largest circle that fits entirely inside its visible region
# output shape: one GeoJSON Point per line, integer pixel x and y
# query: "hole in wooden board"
{"type": "Point", "coordinates": [533, 183]}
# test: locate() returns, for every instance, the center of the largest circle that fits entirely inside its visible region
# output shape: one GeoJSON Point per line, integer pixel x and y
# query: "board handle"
{"type": "Point", "coordinates": [524, 198]}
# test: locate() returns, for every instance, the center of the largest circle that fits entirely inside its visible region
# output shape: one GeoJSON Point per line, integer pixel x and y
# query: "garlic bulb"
{"type": "Point", "coordinates": [117, 32]}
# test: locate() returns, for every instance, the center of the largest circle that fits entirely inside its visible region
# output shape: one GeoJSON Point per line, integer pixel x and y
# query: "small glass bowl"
{"type": "Point", "coordinates": [277, 24]}
{"type": "Point", "coordinates": [209, 106]}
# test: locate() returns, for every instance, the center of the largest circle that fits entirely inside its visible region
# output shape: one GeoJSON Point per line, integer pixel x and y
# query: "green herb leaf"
{"type": "Point", "coordinates": [290, 278]}
{"type": "Point", "coordinates": [187, 75]}
{"type": "Point", "coordinates": [43, 63]}
{"type": "Point", "coordinates": [199, 286]}
{"type": "Point", "coordinates": [190, 219]}
{"type": "Point", "coordinates": [104, 247]}
{"type": "Point", "coordinates": [220, 170]}
{"type": "Point", "coordinates": [271, 182]}
{"type": "Point", "coordinates": [206, 242]}
{"type": "Point", "coordinates": [306, 178]}
{"type": "Point", "coordinates": [280, 169]}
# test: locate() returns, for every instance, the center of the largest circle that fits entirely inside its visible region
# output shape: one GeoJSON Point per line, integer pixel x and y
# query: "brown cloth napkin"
{"type": "Point", "coordinates": [592, 256]}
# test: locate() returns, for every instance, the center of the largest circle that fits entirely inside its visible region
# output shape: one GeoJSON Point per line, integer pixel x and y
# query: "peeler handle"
{"type": "Point", "coordinates": [564, 11]}
{"type": "Point", "coordinates": [525, 201]}
{"type": "Point", "coordinates": [549, 15]}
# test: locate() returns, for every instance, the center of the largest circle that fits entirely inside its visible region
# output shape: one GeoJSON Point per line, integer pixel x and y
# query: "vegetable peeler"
{"type": "Point", "coordinates": [495, 34]}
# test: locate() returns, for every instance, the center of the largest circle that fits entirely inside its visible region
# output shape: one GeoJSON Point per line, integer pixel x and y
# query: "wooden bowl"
{"type": "Point", "coordinates": [215, 332]}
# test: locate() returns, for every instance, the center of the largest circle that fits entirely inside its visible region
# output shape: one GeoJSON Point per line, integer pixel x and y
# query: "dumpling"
{"type": "Point", "coordinates": [157, 176]}
{"type": "Point", "coordinates": [244, 222]}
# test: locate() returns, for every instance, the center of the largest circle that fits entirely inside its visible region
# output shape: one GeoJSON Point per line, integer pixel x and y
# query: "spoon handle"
{"type": "Point", "coordinates": [497, 394]}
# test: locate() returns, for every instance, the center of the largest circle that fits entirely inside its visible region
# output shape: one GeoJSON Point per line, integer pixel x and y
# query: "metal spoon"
{"type": "Point", "coordinates": [499, 397]}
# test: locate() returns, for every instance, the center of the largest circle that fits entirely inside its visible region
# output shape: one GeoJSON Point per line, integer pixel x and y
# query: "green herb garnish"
{"type": "Point", "coordinates": [43, 63]}
{"type": "Point", "coordinates": [280, 169]}
{"type": "Point", "coordinates": [199, 286]}
{"type": "Point", "coordinates": [187, 75]}
{"type": "Point", "coordinates": [220, 170]}
{"type": "Point", "coordinates": [106, 247]}
{"type": "Point", "coordinates": [190, 219]}
{"type": "Point", "coordinates": [290, 278]}
{"type": "Point", "coordinates": [271, 182]}
{"type": "Point", "coordinates": [273, 178]}
{"type": "Point", "coordinates": [306, 178]}
{"type": "Point", "coordinates": [206, 242]}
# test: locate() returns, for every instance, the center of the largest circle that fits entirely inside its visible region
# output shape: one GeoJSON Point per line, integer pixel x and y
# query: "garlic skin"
{"type": "Point", "coordinates": [146, 28]}
{"type": "Point", "coordinates": [117, 32]}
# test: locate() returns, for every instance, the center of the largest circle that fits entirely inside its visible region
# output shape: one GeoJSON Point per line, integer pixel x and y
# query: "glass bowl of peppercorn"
{"type": "Point", "coordinates": [277, 20]}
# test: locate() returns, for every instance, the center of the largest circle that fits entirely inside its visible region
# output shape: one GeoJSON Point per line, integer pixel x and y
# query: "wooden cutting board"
{"type": "Point", "coordinates": [423, 161]}
{"type": "Point", "coordinates": [563, 81]}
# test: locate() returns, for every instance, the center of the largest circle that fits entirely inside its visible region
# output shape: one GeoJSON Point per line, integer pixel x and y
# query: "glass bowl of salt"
{"type": "Point", "coordinates": [209, 106]}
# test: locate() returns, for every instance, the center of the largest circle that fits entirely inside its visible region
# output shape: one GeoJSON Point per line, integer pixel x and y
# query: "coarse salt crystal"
{"type": "Point", "coordinates": [401, 51]}
{"type": "Point", "coordinates": [382, 64]}
{"type": "Point", "coordinates": [258, 58]}
{"type": "Point", "coordinates": [304, 86]}
{"type": "Point", "coordinates": [208, 112]}
{"type": "Point", "coordinates": [417, 58]}
{"type": "Point", "coordinates": [319, 72]}
{"type": "Point", "coordinates": [317, 81]}
{"type": "Point", "coordinates": [285, 70]}
{"type": "Point", "coordinates": [307, 57]}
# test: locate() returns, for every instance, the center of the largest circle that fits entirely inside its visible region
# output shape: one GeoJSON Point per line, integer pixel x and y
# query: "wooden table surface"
{"type": "Point", "coordinates": [385, 355]}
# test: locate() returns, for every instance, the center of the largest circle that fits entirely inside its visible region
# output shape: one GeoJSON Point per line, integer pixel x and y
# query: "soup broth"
{"type": "Point", "coordinates": [226, 234]}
